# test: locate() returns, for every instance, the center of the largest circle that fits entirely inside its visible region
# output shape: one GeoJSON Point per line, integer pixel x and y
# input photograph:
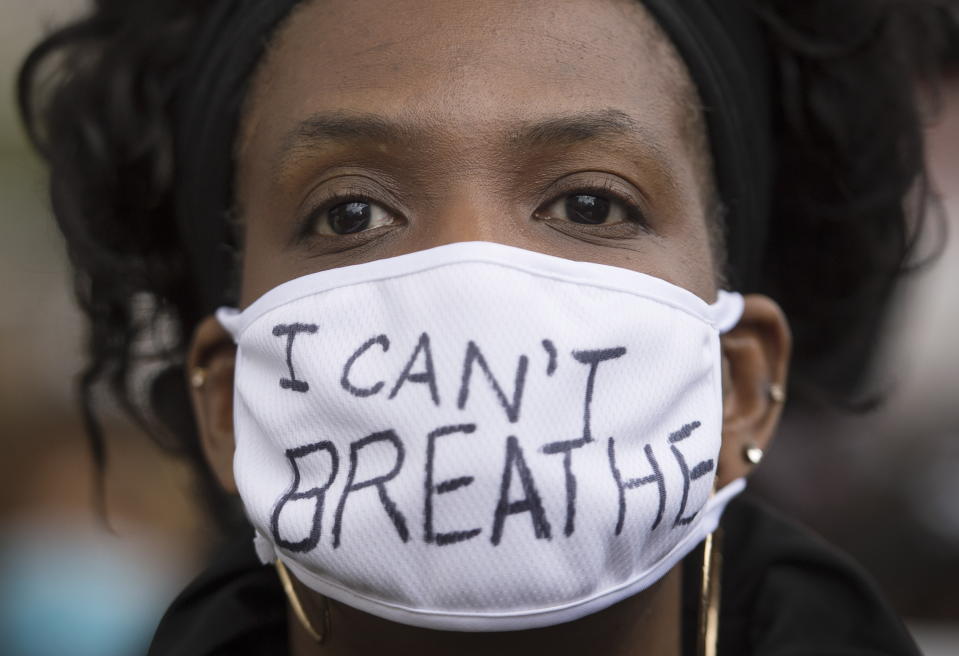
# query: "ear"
{"type": "Point", "coordinates": [210, 365]}
{"type": "Point", "coordinates": [755, 362]}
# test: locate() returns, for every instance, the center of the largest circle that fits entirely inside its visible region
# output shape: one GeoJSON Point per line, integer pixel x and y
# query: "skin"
{"type": "Point", "coordinates": [473, 121]}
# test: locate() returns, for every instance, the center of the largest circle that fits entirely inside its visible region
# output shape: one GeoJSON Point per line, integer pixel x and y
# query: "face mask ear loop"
{"type": "Point", "coordinates": [727, 310]}
{"type": "Point", "coordinates": [231, 319]}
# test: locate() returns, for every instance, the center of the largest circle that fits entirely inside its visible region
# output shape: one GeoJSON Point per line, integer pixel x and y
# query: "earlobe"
{"type": "Point", "coordinates": [210, 366]}
{"type": "Point", "coordinates": [755, 366]}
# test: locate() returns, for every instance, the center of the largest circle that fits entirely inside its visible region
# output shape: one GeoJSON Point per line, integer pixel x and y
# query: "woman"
{"type": "Point", "coordinates": [471, 255]}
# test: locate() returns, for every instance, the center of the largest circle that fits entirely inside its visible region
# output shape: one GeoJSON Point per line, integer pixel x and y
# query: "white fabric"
{"type": "Point", "coordinates": [434, 456]}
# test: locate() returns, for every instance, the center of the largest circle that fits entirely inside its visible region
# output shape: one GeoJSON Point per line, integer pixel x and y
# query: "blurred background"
{"type": "Point", "coordinates": [884, 486]}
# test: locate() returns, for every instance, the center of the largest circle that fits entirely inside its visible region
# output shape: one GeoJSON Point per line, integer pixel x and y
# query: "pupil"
{"type": "Point", "coordinates": [349, 217]}
{"type": "Point", "coordinates": [583, 208]}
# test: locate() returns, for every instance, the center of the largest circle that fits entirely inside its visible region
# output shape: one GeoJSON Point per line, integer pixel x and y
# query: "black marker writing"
{"type": "Point", "coordinates": [291, 330]}
{"type": "Point", "coordinates": [698, 471]}
{"type": "Point", "coordinates": [427, 376]}
{"type": "Point", "coordinates": [318, 494]}
{"type": "Point", "coordinates": [473, 354]}
{"type": "Point", "coordinates": [593, 359]}
{"type": "Point", "coordinates": [632, 483]}
{"type": "Point", "coordinates": [362, 392]}
{"type": "Point", "coordinates": [566, 448]}
{"type": "Point", "coordinates": [443, 487]}
{"type": "Point", "coordinates": [551, 353]}
{"type": "Point", "coordinates": [530, 502]}
{"type": "Point", "coordinates": [379, 482]}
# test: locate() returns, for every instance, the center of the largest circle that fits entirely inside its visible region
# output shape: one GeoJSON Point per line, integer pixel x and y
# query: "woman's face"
{"type": "Point", "coordinates": [567, 128]}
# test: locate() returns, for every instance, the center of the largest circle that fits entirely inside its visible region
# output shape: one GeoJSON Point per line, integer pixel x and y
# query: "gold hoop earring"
{"type": "Point", "coordinates": [710, 594]}
{"type": "Point", "coordinates": [294, 599]}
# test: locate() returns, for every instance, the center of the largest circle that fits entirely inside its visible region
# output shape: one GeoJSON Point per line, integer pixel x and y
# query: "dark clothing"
{"type": "Point", "coordinates": [784, 593]}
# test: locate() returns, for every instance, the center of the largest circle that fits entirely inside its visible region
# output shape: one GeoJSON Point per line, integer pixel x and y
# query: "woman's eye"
{"type": "Point", "coordinates": [589, 209]}
{"type": "Point", "coordinates": [351, 217]}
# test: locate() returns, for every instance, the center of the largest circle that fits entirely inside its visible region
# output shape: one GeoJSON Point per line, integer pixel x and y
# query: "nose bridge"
{"type": "Point", "coordinates": [471, 211]}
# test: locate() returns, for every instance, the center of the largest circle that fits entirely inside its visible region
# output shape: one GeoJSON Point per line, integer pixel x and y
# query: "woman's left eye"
{"type": "Point", "coordinates": [588, 209]}
{"type": "Point", "coordinates": [352, 216]}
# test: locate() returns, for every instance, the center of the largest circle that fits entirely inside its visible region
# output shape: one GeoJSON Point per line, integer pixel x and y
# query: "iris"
{"type": "Point", "coordinates": [584, 208]}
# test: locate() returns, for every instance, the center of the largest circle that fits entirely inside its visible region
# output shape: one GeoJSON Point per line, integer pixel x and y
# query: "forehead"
{"type": "Point", "coordinates": [469, 68]}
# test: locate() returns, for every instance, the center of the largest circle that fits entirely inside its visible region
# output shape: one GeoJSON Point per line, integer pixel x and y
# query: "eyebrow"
{"type": "Point", "coordinates": [344, 127]}
{"type": "Point", "coordinates": [571, 129]}
{"type": "Point", "coordinates": [347, 126]}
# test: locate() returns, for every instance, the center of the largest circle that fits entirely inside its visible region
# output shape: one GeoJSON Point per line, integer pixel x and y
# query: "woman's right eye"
{"type": "Point", "coordinates": [350, 217]}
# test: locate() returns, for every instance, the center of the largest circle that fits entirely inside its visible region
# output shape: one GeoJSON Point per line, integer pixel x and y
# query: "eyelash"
{"type": "Point", "coordinates": [307, 226]}
{"type": "Point", "coordinates": [634, 213]}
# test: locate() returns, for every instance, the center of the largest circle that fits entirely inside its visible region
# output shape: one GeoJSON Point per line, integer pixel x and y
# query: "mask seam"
{"type": "Point", "coordinates": [710, 321]}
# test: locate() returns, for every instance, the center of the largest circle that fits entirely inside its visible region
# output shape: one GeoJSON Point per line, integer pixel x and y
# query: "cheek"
{"type": "Point", "coordinates": [698, 265]}
{"type": "Point", "coordinates": [698, 256]}
{"type": "Point", "coordinates": [268, 224]}
{"type": "Point", "coordinates": [261, 260]}
{"type": "Point", "coordinates": [687, 257]}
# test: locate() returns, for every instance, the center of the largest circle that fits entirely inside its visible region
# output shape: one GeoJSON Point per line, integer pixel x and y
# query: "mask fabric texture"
{"type": "Point", "coordinates": [478, 437]}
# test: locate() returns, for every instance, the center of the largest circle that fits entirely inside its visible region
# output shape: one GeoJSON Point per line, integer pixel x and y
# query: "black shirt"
{"type": "Point", "coordinates": [785, 592]}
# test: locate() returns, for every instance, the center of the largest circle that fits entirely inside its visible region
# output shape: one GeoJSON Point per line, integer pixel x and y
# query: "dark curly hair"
{"type": "Point", "coordinates": [97, 98]}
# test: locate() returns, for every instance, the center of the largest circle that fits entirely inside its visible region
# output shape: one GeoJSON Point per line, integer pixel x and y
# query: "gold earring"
{"type": "Point", "coordinates": [294, 599]}
{"type": "Point", "coordinates": [777, 393]}
{"type": "Point", "coordinates": [710, 593]}
{"type": "Point", "coordinates": [752, 454]}
{"type": "Point", "coordinates": [197, 377]}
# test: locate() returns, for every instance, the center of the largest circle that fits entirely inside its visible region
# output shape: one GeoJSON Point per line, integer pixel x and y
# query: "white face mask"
{"type": "Point", "coordinates": [477, 437]}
